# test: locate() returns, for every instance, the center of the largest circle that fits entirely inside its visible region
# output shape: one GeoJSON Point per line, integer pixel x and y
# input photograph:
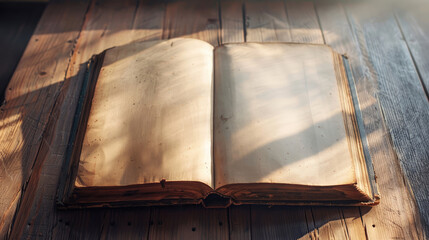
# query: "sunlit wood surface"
{"type": "Point", "coordinates": [388, 49]}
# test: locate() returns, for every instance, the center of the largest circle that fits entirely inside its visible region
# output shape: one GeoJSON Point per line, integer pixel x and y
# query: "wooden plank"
{"type": "Point", "coordinates": [239, 222]}
{"type": "Point", "coordinates": [31, 95]}
{"type": "Point", "coordinates": [192, 19]}
{"type": "Point", "coordinates": [188, 222]}
{"type": "Point", "coordinates": [279, 222]}
{"type": "Point", "coordinates": [91, 224]}
{"type": "Point", "coordinates": [17, 24]}
{"type": "Point", "coordinates": [414, 23]}
{"type": "Point", "coordinates": [266, 21]}
{"type": "Point", "coordinates": [304, 25]}
{"type": "Point", "coordinates": [384, 213]}
{"type": "Point", "coordinates": [332, 224]}
{"type": "Point", "coordinates": [395, 215]}
{"type": "Point", "coordinates": [130, 223]}
{"type": "Point", "coordinates": [354, 223]}
{"type": "Point", "coordinates": [402, 98]}
{"type": "Point", "coordinates": [231, 16]}
{"type": "Point", "coordinates": [148, 20]}
{"type": "Point", "coordinates": [101, 30]}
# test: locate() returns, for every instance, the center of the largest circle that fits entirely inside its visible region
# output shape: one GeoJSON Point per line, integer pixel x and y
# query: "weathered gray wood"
{"type": "Point", "coordinates": [402, 98]}
{"type": "Point", "coordinates": [413, 19]}
{"type": "Point", "coordinates": [266, 21]}
{"type": "Point", "coordinates": [395, 215]}
{"type": "Point", "coordinates": [304, 25]}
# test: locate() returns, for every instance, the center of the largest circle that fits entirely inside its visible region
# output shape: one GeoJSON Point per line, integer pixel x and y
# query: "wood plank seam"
{"type": "Point", "coordinates": [306, 222]}
{"type": "Point", "coordinates": [359, 35]}
{"type": "Point", "coordinates": [288, 20]}
{"type": "Point", "coordinates": [38, 161]}
{"type": "Point", "coordinates": [164, 22]}
{"type": "Point", "coordinates": [37, 164]}
{"type": "Point", "coordinates": [318, 21]}
{"type": "Point", "coordinates": [250, 221]}
{"type": "Point", "coordinates": [150, 223]}
{"type": "Point", "coordinates": [228, 215]}
{"type": "Point", "coordinates": [343, 219]}
{"type": "Point", "coordinates": [313, 219]}
{"type": "Point", "coordinates": [219, 16]}
{"type": "Point", "coordinates": [341, 210]}
{"type": "Point", "coordinates": [133, 22]}
{"type": "Point", "coordinates": [245, 22]}
{"type": "Point", "coordinates": [306, 216]}
{"type": "Point", "coordinates": [405, 180]}
{"type": "Point", "coordinates": [412, 56]}
{"type": "Point", "coordinates": [104, 13]}
{"type": "Point", "coordinates": [363, 224]}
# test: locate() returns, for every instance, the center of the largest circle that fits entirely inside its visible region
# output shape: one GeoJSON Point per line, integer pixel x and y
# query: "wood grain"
{"type": "Point", "coordinates": [192, 19]}
{"type": "Point", "coordinates": [330, 223]}
{"type": "Point", "coordinates": [414, 23]}
{"type": "Point", "coordinates": [345, 34]}
{"type": "Point", "coordinates": [353, 222]}
{"type": "Point", "coordinates": [41, 68]}
{"type": "Point", "coordinates": [17, 24]}
{"type": "Point", "coordinates": [31, 95]}
{"type": "Point", "coordinates": [239, 222]}
{"type": "Point", "coordinates": [231, 19]}
{"type": "Point", "coordinates": [401, 97]}
{"type": "Point", "coordinates": [102, 28]}
{"type": "Point", "coordinates": [129, 223]}
{"type": "Point", "coordinates": [77, 224]}
{"type": "Point", "coordinates": [195, 222]}
{"type": "Point", "coordinates": [266, 21]}
{"type": "Point", "coordinates": [304, 25]}
{"type": "Point", "coordinates": [281, 223]}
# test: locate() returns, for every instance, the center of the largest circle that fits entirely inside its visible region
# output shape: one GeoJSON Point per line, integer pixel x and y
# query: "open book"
{"type": "Point", "coordinates": [181, 122]}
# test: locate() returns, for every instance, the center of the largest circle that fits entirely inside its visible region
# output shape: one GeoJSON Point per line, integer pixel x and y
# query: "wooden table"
{"type": "Point", "coordinates": [388, 51]}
